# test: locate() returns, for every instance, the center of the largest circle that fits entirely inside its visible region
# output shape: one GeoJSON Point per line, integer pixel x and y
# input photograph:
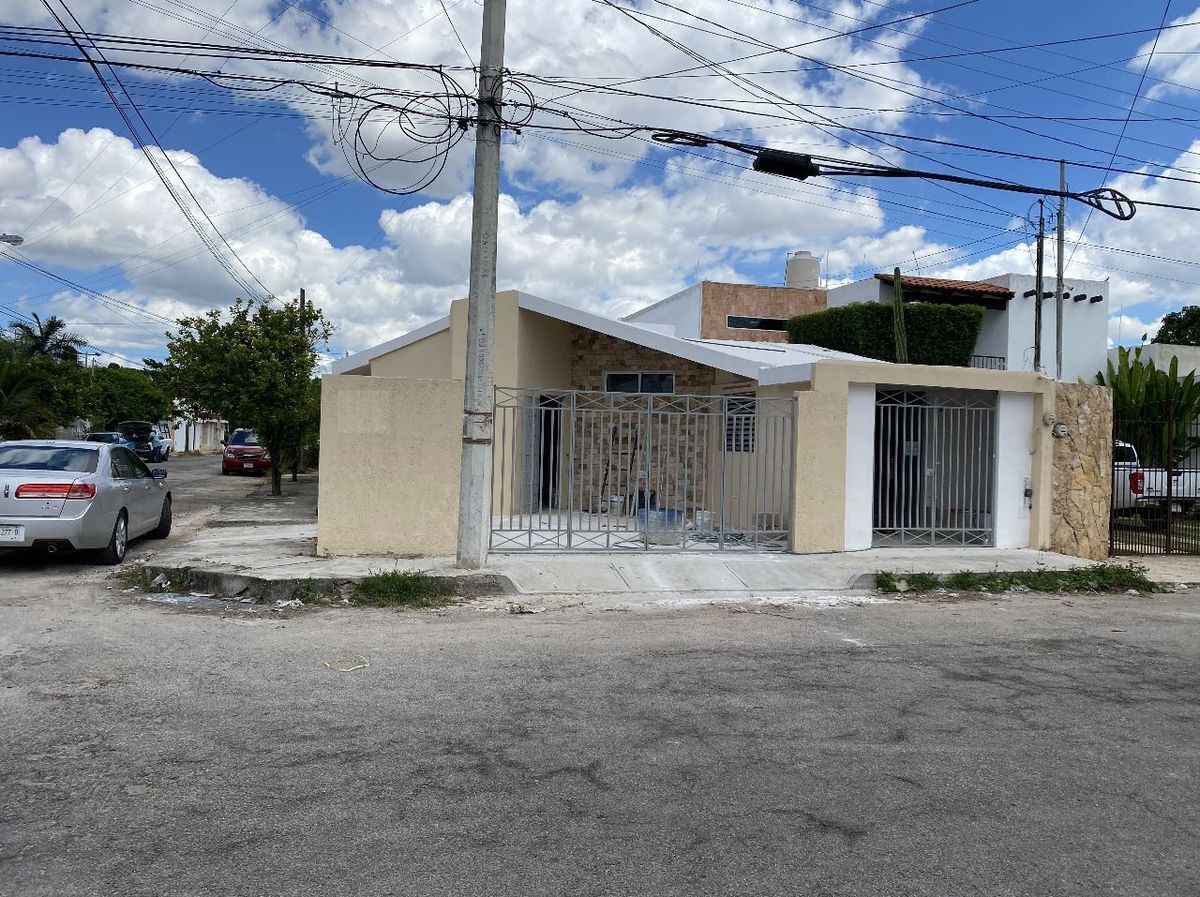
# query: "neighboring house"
{"type": "Point", "coordinates": [202, 434]}
{"type": "Point", "coordinates": [739, 311]}
{"type": "Point", "coordinates": [631, 434]}
{"type": "Point", "coordinates": [1006, 341]}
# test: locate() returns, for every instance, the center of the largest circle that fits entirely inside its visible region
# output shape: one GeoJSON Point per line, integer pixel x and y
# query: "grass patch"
{"type": "Point", "coordinates": [1092, 578]}
{"type": "Point", "coordinates": [404, 588]}
{"type": "Point", "coordinates": [887, 582]}
{"type": "Point", "coordinates": [138, 578]}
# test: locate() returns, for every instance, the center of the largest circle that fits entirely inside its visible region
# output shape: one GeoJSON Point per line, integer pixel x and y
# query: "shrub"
{"type": "Point", "coordinates": [937, 334]}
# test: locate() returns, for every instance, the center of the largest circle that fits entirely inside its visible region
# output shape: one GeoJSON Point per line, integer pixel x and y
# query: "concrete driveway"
{"type": "Point", "coordinates": [1018, 746]}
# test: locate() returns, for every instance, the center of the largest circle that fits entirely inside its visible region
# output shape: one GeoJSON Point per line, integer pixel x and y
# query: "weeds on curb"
{"type": "Point", "coordinates": [404, 588]}
{"type": "Point", "coordinates": [138, 578]}
{"type": "Point", "coordinates": [1092, 578]}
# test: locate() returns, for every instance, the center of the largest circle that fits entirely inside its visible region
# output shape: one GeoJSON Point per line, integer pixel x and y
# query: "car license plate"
{"type": "Point", "coordinates": [249, 465]}
{"type": "Point", "coordinates": [12, 534]}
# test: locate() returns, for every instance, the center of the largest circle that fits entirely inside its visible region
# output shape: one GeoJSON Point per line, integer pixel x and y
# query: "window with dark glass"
{"type": "Point", "coordinates": [740, 322]}
{"type": "Point", "coordinates": [659, 382]}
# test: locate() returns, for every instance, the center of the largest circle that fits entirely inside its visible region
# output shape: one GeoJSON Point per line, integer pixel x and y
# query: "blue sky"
{"type": "Point", "coordinates": [605, 224]}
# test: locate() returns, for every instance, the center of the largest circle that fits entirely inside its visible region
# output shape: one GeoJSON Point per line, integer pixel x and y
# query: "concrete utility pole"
{"type": "Point", "coordinates": [475, 476]}
{"type": "Point", "coordinates": [1037, 288]}
{"type": "Point", "coordinates": [1058, 282]}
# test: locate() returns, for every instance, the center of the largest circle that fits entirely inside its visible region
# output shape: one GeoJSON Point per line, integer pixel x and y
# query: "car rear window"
{"type": "Point", "coordinates": [48, 457]}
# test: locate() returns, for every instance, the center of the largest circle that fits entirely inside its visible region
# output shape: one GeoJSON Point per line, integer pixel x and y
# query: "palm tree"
{"type": "Point", "coordinates": [23, 412]}
{"type": "Point", "coordinates": [49, 338]}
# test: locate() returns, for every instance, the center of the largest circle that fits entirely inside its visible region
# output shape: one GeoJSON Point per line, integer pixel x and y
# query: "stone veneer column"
{"type": "Point", "coordinates": [1082, 500]}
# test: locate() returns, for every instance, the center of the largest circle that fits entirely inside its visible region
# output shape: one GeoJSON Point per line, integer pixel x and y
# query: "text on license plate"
{"type": "Point", "coordinates": [248, 465]}
{"type": "Point", "coordinates": [12, 533]}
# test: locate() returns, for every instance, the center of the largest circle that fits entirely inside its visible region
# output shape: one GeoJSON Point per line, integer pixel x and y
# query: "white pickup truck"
{"type": "Point", "coordinates": [1144, 489]}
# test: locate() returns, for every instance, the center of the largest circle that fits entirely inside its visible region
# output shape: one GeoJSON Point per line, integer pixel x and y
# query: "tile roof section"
{"type": "Point", "coordinates": [950, 286]}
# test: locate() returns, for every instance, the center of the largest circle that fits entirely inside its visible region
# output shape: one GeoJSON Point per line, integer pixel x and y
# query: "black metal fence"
{"type": "Point", "coordinates": [1156, 488]}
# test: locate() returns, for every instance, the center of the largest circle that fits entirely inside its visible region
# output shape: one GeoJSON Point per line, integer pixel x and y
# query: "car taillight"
{"type": "Point", "coordinates": [1137, 482]}
{"type": "Point", "coordinates": [57, 490]}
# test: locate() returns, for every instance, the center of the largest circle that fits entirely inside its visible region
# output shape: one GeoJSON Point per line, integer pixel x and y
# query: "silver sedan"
{"type": "Point", "coordinates": [67, 494]}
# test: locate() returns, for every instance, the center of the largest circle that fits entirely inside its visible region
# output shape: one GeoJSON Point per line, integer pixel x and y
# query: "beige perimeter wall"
{"type": "Point", "coordinates": [1083, 471]}
{"type": "Point", "coordinates": [389, 466]}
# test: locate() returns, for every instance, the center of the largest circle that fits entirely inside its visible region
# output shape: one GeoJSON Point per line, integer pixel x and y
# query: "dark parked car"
{"type": "Point", "coordinates": [138, 432]}
{"type": "Point", "coordinates": [109, 438]}
{"type": "Point", "coordinates": [244, 454]}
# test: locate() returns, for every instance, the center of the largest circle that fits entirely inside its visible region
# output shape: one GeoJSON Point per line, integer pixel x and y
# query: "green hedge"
{"type": "Point", "coordinates": [937, 334]}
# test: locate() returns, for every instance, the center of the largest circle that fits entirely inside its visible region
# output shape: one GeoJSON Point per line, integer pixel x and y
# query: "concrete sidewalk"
{"type": "Point", "coordinates": [266, 546]}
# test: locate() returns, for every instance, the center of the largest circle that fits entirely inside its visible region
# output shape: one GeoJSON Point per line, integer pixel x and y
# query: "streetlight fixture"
{"type": "Point", "coordinates": [11, 239]}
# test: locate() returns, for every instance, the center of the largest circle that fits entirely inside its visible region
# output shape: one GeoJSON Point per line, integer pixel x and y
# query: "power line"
{"type": "Point", "coordinates": [243, 284]}
{"type": "Point", "coordinates": [1121, 136]}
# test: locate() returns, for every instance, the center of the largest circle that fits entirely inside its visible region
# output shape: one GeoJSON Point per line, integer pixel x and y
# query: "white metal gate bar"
{"type": "Point", "coordinates": [935, 467]}
{"type": "Point", "coordinates": [600, 471]}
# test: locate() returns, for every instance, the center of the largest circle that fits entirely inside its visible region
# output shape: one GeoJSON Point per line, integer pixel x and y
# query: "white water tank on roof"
{"type": "Point", "coordinates": [803, 271]}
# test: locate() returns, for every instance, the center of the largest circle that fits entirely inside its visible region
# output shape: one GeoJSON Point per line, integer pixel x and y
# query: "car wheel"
{"type": "Point", "coordinates": [114, 553]}
{"type": "Point", "coordinates": [224, 472]}
{"type": "Point", "coordinates": [164, 521]}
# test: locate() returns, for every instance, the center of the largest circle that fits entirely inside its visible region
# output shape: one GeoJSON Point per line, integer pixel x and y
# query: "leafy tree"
{"type": "Point", "coordinates": [24, 413]}
{"type": "Point", "coordinates": [251, 365]}
{"type": "Point", "coordinates": [47, 338]}
{"type": "Point", "coordinates": [1155, 410]}
{"type": "Point", "coordinates": [118, 393]}
{"type": "Point", "coordinates": [1181, 328]}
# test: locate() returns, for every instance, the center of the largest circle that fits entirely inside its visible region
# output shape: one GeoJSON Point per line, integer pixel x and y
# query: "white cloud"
{"type": "Point", "coordinates": [1126, 330]}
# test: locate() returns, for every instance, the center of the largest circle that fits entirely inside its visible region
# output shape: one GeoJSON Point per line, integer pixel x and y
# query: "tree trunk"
{"type": "Point", "coordinates": [276, 475]}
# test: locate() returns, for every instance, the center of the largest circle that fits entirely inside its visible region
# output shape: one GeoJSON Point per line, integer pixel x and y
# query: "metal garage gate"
{"type": "Point", "coordinates": [935, 467]}
{"type": "Point", "coordinates": [600, 471]}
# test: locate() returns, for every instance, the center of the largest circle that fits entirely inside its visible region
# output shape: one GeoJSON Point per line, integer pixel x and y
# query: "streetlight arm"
{"type": "Point", "coordinates": [11, 239]}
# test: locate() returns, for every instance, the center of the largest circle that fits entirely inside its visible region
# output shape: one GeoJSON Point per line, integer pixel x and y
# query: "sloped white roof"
{"type": "Point", "coordinates": [767, 363]}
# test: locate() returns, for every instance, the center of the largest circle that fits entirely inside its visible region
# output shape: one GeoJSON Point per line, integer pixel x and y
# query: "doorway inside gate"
{"type": "Point", "coordinates": [935, 467]}
{"type": "Point", "coordinates": [580, 471]}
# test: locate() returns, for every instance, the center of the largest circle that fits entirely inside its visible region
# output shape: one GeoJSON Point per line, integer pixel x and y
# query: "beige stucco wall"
{"type": "Point", "coordinates": [819, 508]}
{"type": "Point", "coordinates": [389, 466]}
{"type": "Point", "coordinates": [1083, 471]}
{"type": "Point", "coordinates": [543, 351]}
{"type": "Point", "coordinates": [425, 359]}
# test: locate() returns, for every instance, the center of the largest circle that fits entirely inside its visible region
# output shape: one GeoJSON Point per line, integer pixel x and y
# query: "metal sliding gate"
{"type": "Point", "coordinates": [598, 471]}
{"type": "Point", "coordinates": [935, 467]}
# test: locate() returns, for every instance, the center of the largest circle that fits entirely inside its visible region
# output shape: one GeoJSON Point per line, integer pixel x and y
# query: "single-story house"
{"type": "Point", "coordinates": [626, 435]}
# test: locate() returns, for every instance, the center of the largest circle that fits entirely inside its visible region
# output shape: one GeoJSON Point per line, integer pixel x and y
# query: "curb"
{"type": "Point", "coordinates": [233, 584]}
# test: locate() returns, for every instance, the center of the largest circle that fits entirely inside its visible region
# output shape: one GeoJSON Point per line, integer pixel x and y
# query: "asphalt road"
{"type": "Point", "coordinates": [197, 491]}
{"type": "Point", "coordinates": [1023, 746]}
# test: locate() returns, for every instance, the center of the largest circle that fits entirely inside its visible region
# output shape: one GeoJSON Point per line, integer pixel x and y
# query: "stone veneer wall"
{"type": "Point", "coordinates": [595, 354]}
{"type": "Point", "coordinates": [721, 299]}
{"type": "Point", "coordinates": [608, 459]}
{"type": "Point", "coordinates": [1080, 514]}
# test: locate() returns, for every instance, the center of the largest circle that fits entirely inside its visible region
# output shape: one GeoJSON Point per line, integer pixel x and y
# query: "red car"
{"type": "Point", "coordinates": [244, 454]}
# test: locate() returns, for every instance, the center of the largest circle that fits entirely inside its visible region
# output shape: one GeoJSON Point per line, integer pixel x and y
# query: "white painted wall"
{"type": "Point", "coordinates": [1014, 466]}
{"type": "Point", "coordinates": [869, 290]}
{"type": "Point", "coordinates": [680, 311]}
{"type": "Point", "coordinates": [1161, 354]}
{"type": "Point", "coordinates": [993, 336]}
{"type": "Point", "coordinates": [1085, 327]}
{"type": "Point", "coordinates": [860, 464]}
